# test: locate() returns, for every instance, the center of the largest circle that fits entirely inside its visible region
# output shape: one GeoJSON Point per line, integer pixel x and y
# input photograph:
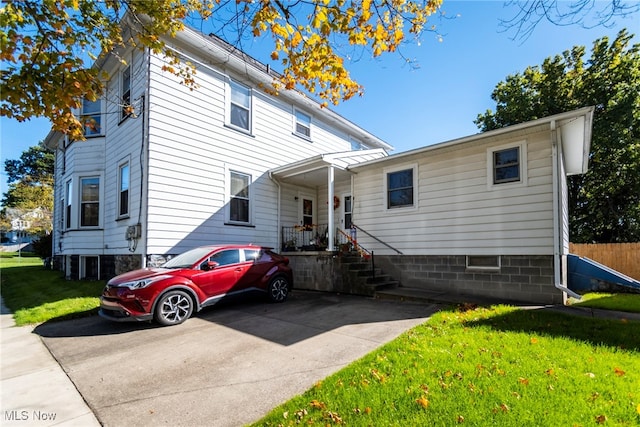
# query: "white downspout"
{"type": "Point", "coordinates": [330, 217]}
{"type": "Point", "coordinates": [279, 234]}
{"type": "Point", "coordinates": [557, 208]}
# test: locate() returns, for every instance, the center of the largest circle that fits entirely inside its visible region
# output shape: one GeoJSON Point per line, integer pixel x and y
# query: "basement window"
{"type": "Point", "coordinates": [483, 262]}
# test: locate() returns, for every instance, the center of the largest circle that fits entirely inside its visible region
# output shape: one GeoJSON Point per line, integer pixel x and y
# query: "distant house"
{"type": "Point", "coordinates": [21, 222]}
{"type": "Point", "coordinates": [485, 214]}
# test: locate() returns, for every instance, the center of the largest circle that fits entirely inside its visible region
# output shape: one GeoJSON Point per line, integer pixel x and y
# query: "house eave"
{"type": "Point", "coordinates": [581, 137]}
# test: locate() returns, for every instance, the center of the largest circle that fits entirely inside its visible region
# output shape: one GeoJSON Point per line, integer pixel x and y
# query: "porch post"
{"type": "Point", "coordinates": [330, 226]}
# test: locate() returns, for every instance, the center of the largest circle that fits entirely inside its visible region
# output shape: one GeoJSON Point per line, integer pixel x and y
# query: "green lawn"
{"type": "Point", "coordinates": [620, 302]}
{"type": "Point", "coordinates": [36, 295]}
{"type": "Point", "coordinates": [487, 366]}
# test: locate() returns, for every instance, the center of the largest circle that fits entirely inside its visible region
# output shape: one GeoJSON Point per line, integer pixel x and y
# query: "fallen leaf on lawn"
{"type": "Point", "coordinates": [619, 372]}
{"type": "Point", "coordinates": [549, 371]}
{"type": "Point", "coordinates": [317, 404]}
{"type": "Point", "coordinates": [504, 407]}
{"type": "Point", "coordinates": [590, 374]}
{"type": "Point", "coordinates": [285, 414]}
{"type": "Point", "coordinates": [638, 409]}
{"type": "Point", "coordinates": [534, 341]}
{"type": "Point", "coordinates": [523, 381]}
{"type": "Point", "coordinates": [367, 410]}
{"type": "Point", "coordinates": [460, 419]}
{"type": "Point", "coordinates": [601, 419]}
{"type": "Point", "coordinates": [423, 401]}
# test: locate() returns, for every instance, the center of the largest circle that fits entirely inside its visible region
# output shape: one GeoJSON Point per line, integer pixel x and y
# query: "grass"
{"type": "Point", "coordinates": [486, 366]}
{"type": "Point", "coordinates": [620, 302]}
{"type": "Point", "coordinates": [36, 295]}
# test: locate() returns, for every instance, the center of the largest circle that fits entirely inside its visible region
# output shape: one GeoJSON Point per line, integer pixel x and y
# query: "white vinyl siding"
{"type": "Point", "coordinates": [457, 213]}
{"type": "Point", "coordinates": [192, 148]}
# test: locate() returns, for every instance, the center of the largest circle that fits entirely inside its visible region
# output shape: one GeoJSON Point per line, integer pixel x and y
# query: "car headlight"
{"type": "Point", "coordinates": [143, 283]}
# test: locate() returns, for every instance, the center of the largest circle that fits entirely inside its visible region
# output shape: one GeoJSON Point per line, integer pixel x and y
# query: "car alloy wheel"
{"type": "Point", "coordinates": [278, 289]}
{"type": "Point", "coordinates": [173, 308]}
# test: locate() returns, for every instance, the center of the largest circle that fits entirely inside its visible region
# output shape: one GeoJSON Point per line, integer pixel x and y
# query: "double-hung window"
{"type": "Point", "coordinates": [239, 202]}
{"type": "Point", "coordinates": [303, 124]}
{"type": "Point", "coordinates": [123, 190]}
{"type": "Point", "coordinates": [67, 205]}
{"type": "Point", "coordinates": [506, 165]}
{"type": "Point", "coordinates": [240, 108]}
{"type": "Point", "coordinates": [400, 188]}
{"type": "Point", "coordinates": [125, 92]}
{"type": "Point", "coordinates": [91, 117]}
{"type": "Point", "coordinates": [90, 202]}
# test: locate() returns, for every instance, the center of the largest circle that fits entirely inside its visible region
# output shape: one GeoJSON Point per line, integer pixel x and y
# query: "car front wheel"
{"type": "Point", "coordinates": [278, 289]}
{"type": "Point", "coordinates": [173, 308]}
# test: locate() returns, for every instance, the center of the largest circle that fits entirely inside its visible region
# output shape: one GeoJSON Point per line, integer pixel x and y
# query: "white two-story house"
{"type": "Point", "coordinates": [165, 169]}
{"type": "Point", "coordinates": [184, 168]}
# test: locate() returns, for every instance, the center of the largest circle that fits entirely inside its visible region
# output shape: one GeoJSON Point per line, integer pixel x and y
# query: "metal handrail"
{"type": "Point", "coordinates": [361, 250]}
{"type": "Point", "coordinates": [376, 239]}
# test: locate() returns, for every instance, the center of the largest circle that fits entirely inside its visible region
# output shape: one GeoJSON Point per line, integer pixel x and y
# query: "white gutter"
{"type": "Point", "coordinates": [557, 208]}
{"type": "Point", "coordinates": [278, 207]}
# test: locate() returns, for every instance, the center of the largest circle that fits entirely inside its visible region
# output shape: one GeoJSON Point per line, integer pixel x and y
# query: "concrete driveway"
{"type": "Point", "coordinates": [227, 366]}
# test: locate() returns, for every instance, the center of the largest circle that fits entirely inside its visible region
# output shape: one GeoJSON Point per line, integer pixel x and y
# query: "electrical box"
{"type": "Point", "coordinates": [133, 232]}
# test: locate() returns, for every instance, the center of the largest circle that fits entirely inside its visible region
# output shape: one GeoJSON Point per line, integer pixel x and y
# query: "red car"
{"type": "Point", "coordinates": [198, 278]}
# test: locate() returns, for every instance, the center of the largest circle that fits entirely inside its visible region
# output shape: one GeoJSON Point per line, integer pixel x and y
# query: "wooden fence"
{"type": "Point", "coordinates": [622, 257]}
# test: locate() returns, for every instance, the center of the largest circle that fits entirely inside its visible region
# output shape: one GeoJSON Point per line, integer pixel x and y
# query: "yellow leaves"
{"type": "Point", "coordinates": [619, 372]}
{"type": "Point", "coordinates": [638, 409]}
{"type": "Point", "coordinates": [423, 402]}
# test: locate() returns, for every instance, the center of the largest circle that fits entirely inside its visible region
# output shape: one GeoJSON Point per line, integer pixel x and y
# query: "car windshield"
{"type": "Point", "coordinates": [187, 259]}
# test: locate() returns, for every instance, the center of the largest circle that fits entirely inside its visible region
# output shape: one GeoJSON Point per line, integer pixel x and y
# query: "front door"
{"type": "Point", "coordinates": [347, 208]}
{"type": "Point", "coordinates": [307, 218]}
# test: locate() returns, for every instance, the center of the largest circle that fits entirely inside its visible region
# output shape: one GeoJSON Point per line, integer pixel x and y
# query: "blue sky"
{"type": "Point", "coordinates": [411, 108]}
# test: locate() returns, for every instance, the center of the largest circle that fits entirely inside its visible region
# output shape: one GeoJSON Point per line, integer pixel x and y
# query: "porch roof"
{"type": "Point", "coordinates": [312, 171]}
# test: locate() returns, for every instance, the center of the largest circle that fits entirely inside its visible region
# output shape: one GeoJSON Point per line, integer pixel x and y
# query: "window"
{"type": "Point", "coordinates": [400, 188]}
{"type": "Point", "coordinates": [90, 268]}
{"type": "Point", "coordinates": [240, 110]}
{"type": "Point", "coordinates": [91, 117]}
{"type": "Point", "coordinates": [483, 262]}
{"type": "Point", "coordinates": [67, 208]}
{"type": "Point", "coordinates": [90, 202]}
{"type": "Point", "coordinates": [239, 197]}
{"type": "Point", "coordinates": [506, 165]}
{"type": "Point", "coordinates": [123, 200]}
{"type": "Point", "coordinates": [357, 145]}
{"type": "Point", "coordinates": [303, 124]}
{"type": "Point", "coordinates": [227, 257]}
{"type": "Point", "coordinates": [125, 92]}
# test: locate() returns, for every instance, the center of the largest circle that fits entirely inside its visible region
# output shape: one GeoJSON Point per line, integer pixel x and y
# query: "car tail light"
{"type": "Point", "coordinates": [285, 260]}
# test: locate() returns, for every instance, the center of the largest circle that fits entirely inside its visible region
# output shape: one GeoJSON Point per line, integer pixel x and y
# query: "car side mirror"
{"type": "Point", "coordinates": [209, 265]}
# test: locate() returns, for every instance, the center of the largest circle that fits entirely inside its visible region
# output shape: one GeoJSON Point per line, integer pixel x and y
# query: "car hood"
{"type": "Point", "coordinates": [140, 274]}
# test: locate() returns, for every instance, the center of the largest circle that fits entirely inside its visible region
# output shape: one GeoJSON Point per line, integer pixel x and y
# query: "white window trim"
{"type": "Point", "coordinates": [228, 107]}
{"type": "Point", "coordinates": [122, 163]}
{"type": "Point", "coordinates": [227, 192]}
{"type": "Point", "coordinates": [295, 124]}
{"type": "Point", "coordinates": [385, 173]}
{"type": "Point", "coordinates": [523, 182]}
{"type": "Point", "coordinates": [67, 214]}
{"type": "Point", "coordinates": [101, 202]}
{"type": "Point", "coordinates": [102, 118]}
{"type": "Point", "coordinates": [484, 268]}
{"type": "Point", "coordinates": [122, 118]}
